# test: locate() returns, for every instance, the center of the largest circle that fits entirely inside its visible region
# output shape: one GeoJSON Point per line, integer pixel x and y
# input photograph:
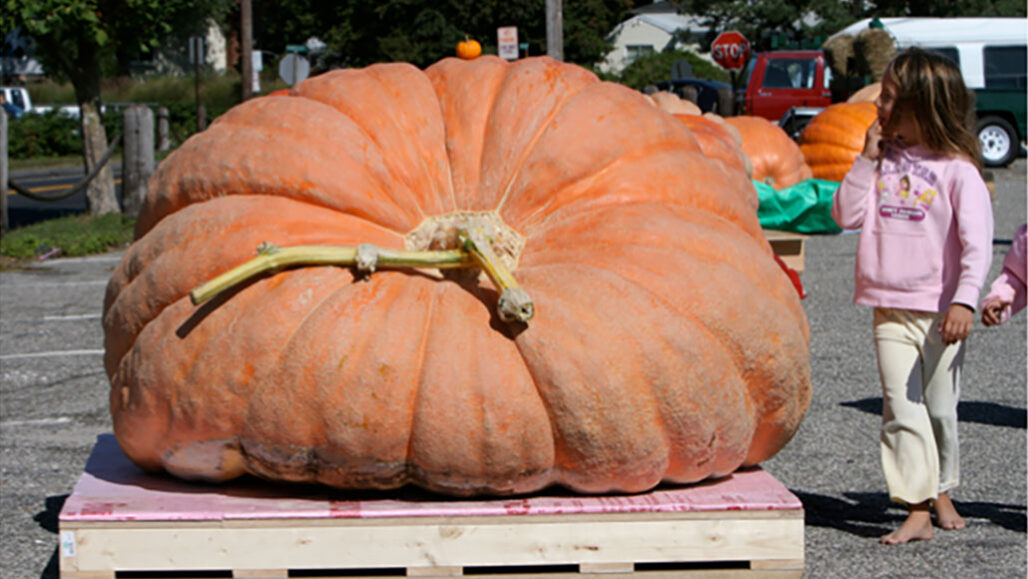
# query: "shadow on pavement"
{"type": "Point", "coordinates": [873, 514]}
{"type": "Point", "coordinates": [49, 520]}
{"type": "Point", "coordinates": [988, 413]}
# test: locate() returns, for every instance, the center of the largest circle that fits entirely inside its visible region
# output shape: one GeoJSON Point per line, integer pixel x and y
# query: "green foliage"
{"type": "Point", "coordinates": [51, 135]}
{"type": "Point", "coordinates": [359, 33]}
{"type": "Point", "coordinates": [75, 236]}
{"type": "Point", "coordinates": [47, 135]}
{"type": "Point", "coordinates": [656, 67]}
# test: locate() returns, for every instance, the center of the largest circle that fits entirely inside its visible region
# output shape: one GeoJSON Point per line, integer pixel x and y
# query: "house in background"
{"type": "Point", "coordinates": [652, 28]}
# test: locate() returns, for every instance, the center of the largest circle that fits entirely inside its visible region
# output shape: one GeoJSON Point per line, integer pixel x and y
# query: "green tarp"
{"type": "Point", "coordinates": [806, 207]}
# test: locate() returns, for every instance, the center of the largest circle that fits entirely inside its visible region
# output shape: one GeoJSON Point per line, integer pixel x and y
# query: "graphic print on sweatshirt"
{"type": "Point", "coordinates": [906, 191]}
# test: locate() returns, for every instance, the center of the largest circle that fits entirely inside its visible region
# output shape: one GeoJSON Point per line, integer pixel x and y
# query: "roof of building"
{"type": "Point", "coordinates": [945, 31]}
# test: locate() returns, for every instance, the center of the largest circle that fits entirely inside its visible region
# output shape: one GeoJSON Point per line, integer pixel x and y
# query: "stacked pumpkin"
{"type": "Point", "coordinates": [666, 344]}
{"type": "Point", "coordinates": [777, 160]}
{"type": "Point", "coordinates": [835, 137]}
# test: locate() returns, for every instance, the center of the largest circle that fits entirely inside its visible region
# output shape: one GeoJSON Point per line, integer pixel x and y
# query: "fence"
{"type": "Point", "coordinates": [137, 161]}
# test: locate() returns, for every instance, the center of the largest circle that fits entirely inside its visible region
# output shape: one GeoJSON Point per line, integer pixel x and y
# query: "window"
{"type": "Point", "coordinates": [17, 99]}
{"type": "Point", "coordinates": [1005, 67]}
{"type": "Point", "coordinates": [790, 73]}
{"type": "Point", "coordinates": [637, 50]}
{"type": "Point", "coordinates": [949, 52]}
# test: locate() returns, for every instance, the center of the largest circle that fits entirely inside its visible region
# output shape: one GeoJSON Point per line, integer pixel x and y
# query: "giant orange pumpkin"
{"type": "Point", "coordinates": [666, 345]}
{"type": "Point", "coordinates": [776, 158]}
{"type": "Point", "coordinates": [834, 138]}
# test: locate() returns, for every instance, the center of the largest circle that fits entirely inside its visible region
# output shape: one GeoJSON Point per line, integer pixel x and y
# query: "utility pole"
{"type": "Point", "coordinates": [246, 48]}
{"type": "Point", "coordinates": [555, 29]}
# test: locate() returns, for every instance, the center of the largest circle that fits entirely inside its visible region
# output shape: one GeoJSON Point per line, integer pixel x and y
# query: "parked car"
{"type": "Point", "coordinates": [777, 81]}
{"type": "Point", "coordinates": [16, 101]}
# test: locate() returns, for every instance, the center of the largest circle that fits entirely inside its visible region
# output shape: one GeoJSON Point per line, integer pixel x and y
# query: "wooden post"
{"type": "Point", "coordinates": [3, 172]}
{"type": "Point", "coordinates": [555, 29]}
{"type": "Point", "coordinates": [246, 48]}
{"type": "Point", "coordinates": [163, 130]}
{"type": "Point", "coordinates": [138, 159]}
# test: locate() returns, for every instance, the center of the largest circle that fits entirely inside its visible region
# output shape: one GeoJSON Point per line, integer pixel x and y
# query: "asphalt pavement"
{"type": "Point", "coordinates": [54, 404]}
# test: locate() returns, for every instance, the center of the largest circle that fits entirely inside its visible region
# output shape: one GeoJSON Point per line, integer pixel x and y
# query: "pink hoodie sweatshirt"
{"type": "Point", "coordinates": [1010, 286]}
{"type": "Point", "coordinates": [926, 230]}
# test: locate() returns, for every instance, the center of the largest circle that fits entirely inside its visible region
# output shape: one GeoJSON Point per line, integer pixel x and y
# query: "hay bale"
{"type": "Point", "coordinates": [838, 50]}
{"type": "Point", "coordinates": [873, 49]}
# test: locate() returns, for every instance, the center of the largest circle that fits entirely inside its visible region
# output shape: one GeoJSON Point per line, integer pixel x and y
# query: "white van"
{"type": "Point", "coordinates": [991, 53]}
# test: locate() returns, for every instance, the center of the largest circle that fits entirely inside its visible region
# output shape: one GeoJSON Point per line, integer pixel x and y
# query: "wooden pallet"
{"type": "Point", "coordinates": [788, 246]}
{"type": "Point", "coordinates": [120, 522]}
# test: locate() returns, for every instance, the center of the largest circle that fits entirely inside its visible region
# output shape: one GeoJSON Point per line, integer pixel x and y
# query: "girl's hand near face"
{"type": "Point", "coordinates": [873, 142]}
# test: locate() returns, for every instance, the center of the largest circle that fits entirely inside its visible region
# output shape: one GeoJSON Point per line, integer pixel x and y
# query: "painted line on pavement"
{"type": "Point", "coordinates": [52, 354]}
{"type": "Point", "coordinates": [72, 317]}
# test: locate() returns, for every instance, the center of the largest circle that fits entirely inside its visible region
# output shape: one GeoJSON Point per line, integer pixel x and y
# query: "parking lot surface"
{"type": "Point", "coordinates": [54, 404]}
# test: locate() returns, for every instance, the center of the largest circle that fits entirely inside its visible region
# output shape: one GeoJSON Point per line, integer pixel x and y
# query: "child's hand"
{"type": "Point", "coordinates": [956, 324]}
{"type": "Point", "coordinates": [873, 142]}
{"type": "Point", "coordinates": [991, 312]}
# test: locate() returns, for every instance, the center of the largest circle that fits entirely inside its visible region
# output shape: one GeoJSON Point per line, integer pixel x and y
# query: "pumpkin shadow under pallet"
{"type": "Point", "coordinates": [122, 522]}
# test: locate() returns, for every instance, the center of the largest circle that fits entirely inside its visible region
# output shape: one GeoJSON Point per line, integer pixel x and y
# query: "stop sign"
{"type": "Point", "coordinates": [731, 50]}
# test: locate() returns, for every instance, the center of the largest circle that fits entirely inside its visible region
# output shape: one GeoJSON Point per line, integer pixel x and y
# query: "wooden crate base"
{"type": "Point", "coordinates": [120, 522]}
{"type": "Point", "coordinates": [789, 247]}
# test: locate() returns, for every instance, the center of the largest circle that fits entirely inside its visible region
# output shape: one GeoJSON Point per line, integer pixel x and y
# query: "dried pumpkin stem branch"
{"type": "Point", "coordinates": [477, 251]}
{"type": "Point", "coordinates": [514, 303]}
{"type": "Point", "coordinates": [365, 257]}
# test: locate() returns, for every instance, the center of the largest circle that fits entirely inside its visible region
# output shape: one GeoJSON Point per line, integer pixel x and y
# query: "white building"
{"type": "Point", "coordinates": [650, 29]}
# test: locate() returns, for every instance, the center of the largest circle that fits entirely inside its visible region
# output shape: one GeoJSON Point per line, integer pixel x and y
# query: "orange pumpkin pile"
{"type": "Point", "coordinates": [775, 157]}
{"type": "Point", "coordinates": [667, 345]}
{"type": "Point", "coordinates": [835, 137]}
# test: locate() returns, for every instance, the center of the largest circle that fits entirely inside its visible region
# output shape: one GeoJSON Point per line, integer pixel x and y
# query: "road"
{"type": "Point", "coordinates": [25, 211]}
{"type": "Point", "coordinates": [54, 396]}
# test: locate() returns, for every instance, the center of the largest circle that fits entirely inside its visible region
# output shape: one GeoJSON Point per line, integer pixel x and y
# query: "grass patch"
{"type": "Point", "coordinates": [75, 236]}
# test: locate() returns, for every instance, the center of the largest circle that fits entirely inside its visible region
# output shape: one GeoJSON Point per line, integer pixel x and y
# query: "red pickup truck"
{"type": "Point", "coordinates": [780, 80]}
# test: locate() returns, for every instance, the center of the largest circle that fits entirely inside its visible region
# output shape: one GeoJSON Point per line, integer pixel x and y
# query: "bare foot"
{"type": "Point", "coordinates": [947, 514]}
{"type": "Point", "coordinates": [917, 527]}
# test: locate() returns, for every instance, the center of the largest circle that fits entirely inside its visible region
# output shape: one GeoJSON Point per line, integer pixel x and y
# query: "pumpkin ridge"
{"type": "Point", "coordinates": [379, 74]}
{"type": "Point", "coordinates": [374, 72]}
{"type": "Point", "coordinates": [752, 379]}
{"type": "Point", "coordinates": [568, 212]}
{"type": "Point", "coordinates": [410, 469]}
{"type": "Point", "coordinates": [370, 138]}
{"type": "Point", "coordinates": [525, 152]}
{"type": "Point", "coordinates": [244, 182]}
{"type": "Point", "coordinates": [615, 279]}
{"type": "Point", "coordinates": [669, 305]}
{"type": "Point", "coordinates": [157, 255]}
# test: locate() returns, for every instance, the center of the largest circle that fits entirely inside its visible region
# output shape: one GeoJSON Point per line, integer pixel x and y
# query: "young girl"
{"type": "Point", "coordinates": [925, 248]}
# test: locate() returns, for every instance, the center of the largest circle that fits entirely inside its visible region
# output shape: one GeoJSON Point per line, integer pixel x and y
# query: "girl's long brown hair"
{"type": "Point", "coordinates": [931, 91]}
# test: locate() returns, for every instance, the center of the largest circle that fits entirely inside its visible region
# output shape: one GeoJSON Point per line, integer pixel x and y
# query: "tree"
{"type": "Point", "coordinates": [359, 33]}
{"type": "Point", "coordinates": [73, 39]}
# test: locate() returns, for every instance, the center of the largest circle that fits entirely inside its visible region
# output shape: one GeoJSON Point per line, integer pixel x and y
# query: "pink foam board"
{"type": "Point", "coordinates": [112, 488]}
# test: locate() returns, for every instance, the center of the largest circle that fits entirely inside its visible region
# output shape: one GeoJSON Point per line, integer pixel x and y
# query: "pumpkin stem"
{"type": "Point", "coordinates": [514, 303]}
{"type": "Point", "coordinates": [477, 251]}
{"type": "Point", "coordinates": [365, 257]}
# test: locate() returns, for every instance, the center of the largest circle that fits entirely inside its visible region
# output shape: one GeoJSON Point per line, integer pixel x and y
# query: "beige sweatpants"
{"type": "Point", "coordinates": [920, 389]}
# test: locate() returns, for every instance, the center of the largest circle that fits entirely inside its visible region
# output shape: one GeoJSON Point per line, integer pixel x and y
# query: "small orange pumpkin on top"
{"type": "Point", "coordinates": [469, 49]}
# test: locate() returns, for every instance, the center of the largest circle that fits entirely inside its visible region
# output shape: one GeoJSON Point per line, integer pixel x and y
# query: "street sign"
{"type": "Point", "coordinates": [293, 68]}
{"type": "Point", "coordinates": [731, 50]}
{"type": "Point", "coordinates": [507, 42]}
